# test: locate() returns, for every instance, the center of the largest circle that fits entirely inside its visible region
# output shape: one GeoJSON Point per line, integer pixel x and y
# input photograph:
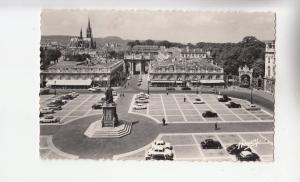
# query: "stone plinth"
{"type": "Point", "coordinates": [95, 130]}
{"type": "Point", "coordinates": [110, 116]}
{"type": "Point", "coordinates": [109, 126]}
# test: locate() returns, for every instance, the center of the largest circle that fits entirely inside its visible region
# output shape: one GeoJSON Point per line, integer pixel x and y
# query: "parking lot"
{"type": "Point", "coordinates": [187, 146]}
{"type": "Point", "coordinates": [173, 108]}
{"type": "Point", "coordinates": [75, 108]}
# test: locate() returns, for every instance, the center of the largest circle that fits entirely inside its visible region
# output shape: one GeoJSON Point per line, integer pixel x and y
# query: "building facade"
{"type": "Point", "coordinates": [84, 42]}
{"type": "Point", "coordinates": [270, 67]}
{"type": "Point", "coordinates": [186, 72]}
{"type": "Point", "coordinates": [71, 74]}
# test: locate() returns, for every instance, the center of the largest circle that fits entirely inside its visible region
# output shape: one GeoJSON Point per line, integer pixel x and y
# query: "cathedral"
{"type": "Point", "coordinates": [84, 42]}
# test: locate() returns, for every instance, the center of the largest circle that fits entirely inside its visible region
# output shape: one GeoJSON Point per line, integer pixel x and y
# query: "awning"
{"type": "Point", "coordinates": [69, 82]}
{"type": "Point", "coordinates": [211, 81]}
{"type": "Point", "coordinates": [162, 81]}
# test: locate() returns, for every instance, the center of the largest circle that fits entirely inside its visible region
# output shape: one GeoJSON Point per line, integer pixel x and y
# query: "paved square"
{"type": "Point", "coordinates": [174, 108]}
{"type": "Point", "coordinates": [187, 146]}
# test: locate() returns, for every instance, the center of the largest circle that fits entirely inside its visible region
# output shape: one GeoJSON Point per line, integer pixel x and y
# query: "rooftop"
{"type": "Point", "coordinates": [99, 63]}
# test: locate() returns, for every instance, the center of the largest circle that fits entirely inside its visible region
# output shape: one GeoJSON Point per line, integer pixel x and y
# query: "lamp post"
{"type": "Point", "coordinates": [251, 95]}
{"type": "Point", "coordinates": [148, 87]}
{"type": "Point", "coordinates": [197, 92]}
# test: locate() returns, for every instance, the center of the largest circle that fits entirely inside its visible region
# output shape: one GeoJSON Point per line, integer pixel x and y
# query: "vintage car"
{"type": "Point", "coordinates": [49, 119]}
{"type": "Point", "coordinates": [231, 104]}
{"type": "Point", "coordinates": [235, 149]}
{"type": "Point", "coordinates": [54, 107]}
{"type": "Point", "coordinates": [98, 105]}
{"type": "Point", "coordinates": [159, 153]}
{"type": "Point", "coordinates": [209, 114]}
{"type": "Point", "coordinates": [46, 110]}
{"type": "Point", "coordinates": [139, 107]}
{"type": "Point", "coordinates": [247, 156]}
{"type": "Point", "coordinates": [252, 107]}
{"type": "Point", "coordinates": [141, 100]}
{"type": "Point", "coordinates": [211, 144]}
{"type": "Point", "coordinates": [223, 98]}
{"type": "Point", "coordinates": [163, 144]}
{"type": "Point", "coordinates": [142, 95]}
{"type": "Point", "coordinates": [198, 101]}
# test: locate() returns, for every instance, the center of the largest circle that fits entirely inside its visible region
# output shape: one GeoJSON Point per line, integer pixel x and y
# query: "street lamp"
{"type": "Point", "coordinates": [148, 87]}
{"type": "Point", "coordinates": [251, 95]}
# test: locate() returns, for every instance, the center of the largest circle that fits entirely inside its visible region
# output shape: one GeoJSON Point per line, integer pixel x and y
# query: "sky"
{"type": "Point", "coordinates": [177, 26]}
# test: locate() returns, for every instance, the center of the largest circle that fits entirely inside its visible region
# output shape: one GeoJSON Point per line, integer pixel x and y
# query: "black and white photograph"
{"type": "Point", "coordinates": [157, 85]}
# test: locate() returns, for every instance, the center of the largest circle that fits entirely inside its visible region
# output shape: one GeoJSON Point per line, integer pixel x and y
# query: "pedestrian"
{"type": "Point", "coordinates": [216, 126]}
{"type": "Point", "coordinates": [167, 93]}
{"type": "Point", "coordinates": [163, 121]}
{"type": "Point", "coordinates": [184, 99]}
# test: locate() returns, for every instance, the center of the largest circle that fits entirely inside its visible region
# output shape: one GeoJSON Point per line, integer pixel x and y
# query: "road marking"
{"type": "Point", "coordinates": [75, 108]}
{"type": "Point", "coordinates": [179, 107]}
{"type": "Point", "coordinates": [213, 110]}
{"type": "Point", "coordinates": [163, 107]}
{"type": "Point", "coordinates": [199, 148]}
{"type": "Point", "coordinates": [196, 109]}
{"type": "Point", "coordinates": [268, 141]}
{"type": "Point", "coordinates": [57, 151]}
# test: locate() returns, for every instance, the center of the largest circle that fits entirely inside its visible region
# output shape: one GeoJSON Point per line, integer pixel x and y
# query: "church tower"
{"type": "Point", "coordinates": [89, 30]}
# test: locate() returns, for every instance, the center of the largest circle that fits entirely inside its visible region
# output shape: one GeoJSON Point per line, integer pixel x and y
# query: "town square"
{"type": "Point", "coordinates": [110, 98]}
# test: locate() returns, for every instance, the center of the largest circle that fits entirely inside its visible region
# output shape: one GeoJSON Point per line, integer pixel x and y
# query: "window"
{"type": "Point", "coordinates": [209, 77]}
{"type": "Point", "coordinates": [269, 71]}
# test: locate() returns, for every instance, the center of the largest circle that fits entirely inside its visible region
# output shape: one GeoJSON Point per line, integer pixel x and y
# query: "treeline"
{"type": "Point", "coordinates": [165, 43]}
{"type": "Point", "coordinates": [48, 55]}
{"type": "Point", "coordinates": [250, 51]}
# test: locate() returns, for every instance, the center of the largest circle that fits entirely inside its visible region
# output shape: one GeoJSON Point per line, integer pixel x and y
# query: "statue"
{"type": "Point", "coordinates": [108, 96]}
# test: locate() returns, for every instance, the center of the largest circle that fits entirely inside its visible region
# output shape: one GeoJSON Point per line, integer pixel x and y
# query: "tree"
{"type": "Point", "coordinates": [259, 68]}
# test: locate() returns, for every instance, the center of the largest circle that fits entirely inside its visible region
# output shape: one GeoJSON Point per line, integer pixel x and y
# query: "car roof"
{"type": "Point", "coordinates": [158, 148]}
{"type": "Point", "coordinates": [245, 153]}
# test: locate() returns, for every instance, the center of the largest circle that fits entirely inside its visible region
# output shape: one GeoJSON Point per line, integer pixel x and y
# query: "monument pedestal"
{"type": "Point", "coordinates": [110, 116]}
{"type": "Point", "coordinates": [109, 126]}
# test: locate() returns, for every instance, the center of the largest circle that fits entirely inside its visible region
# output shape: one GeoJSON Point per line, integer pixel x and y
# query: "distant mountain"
{"type": "Point", "coordinates": [65, 39]}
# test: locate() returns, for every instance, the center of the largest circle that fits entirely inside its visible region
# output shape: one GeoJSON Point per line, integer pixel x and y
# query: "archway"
{"type": "Point", "coordinates": [245, 81]}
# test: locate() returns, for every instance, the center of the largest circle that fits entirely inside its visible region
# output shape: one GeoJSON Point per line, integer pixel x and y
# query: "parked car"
{"type": "Point", "coordinates": [159, 153]}
{"type": "Point", "coordinates": [98, 105]}
{"type": "Point", "coordinates": [139, 107]}
{"type": "Point", "coordinates": [66, 97]}
{"type": "Point", "coordinates": [95, 89]}
{"type": "Point", "coordinates": [142, 95]}
{"type": "Point", "coordinates": [46, 110]}
{"type": "Point", "coordinates": [231, 104]}
{"type": "Point", "coordinates": [211, 144]}
{"type": "Point", "coordinates": [54, 107]}
{"type": "Point", "coordinates": [140, 79]}
{"type": "Point", "coordinates": [170, 88]}
{"type": "Point", "coordinates": [58, 101]}
{"type": "Point", "coordinates": [198, 101]}
{"type": "Point", "coordinates": [209, 114]}
{"type": "Point", "coordinates": [235, 149]}
{"type": "Point", "coordinates": [139, 84]}
{"type": "Point", "coordinates": [223, 98]}
{"type": "Point", "coordinates": [186, 88]}
{"type": "Point", "coordinates": [247, 156]}
{"type": "Point", "coordinates": [163, 144]}
{"type": "Point", "coordinates": [74, 94]}
{"type": "Point", "coordinates": [252, 107]}
{"type": "Point", "coordinates": [114, 93]}
{"type": "Point", "coordinates": [141, 100]}
{"type": "Point", "coordinates": [49, 119]}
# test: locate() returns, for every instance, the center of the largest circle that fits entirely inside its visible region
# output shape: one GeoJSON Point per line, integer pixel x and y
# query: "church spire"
{"type": "Point", "coordinates": [89, 24]}
{"type": "Point", "coordinates": [80, 32]}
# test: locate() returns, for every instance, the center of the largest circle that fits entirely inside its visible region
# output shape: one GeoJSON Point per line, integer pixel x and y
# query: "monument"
{"type": "Point", "coordinates": [109, 125]}
{"type": "Point", "coordinates": [110, 116]}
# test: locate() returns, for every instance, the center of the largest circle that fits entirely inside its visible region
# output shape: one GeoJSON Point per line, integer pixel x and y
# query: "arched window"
{"type": "Point", "coordinates": [273, 70]}
{"type": "Point", "coordinates": [269, 71]}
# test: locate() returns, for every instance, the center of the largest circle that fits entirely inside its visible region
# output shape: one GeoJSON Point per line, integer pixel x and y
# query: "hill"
{"type": "Point", "coordinates": [65, 39]}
